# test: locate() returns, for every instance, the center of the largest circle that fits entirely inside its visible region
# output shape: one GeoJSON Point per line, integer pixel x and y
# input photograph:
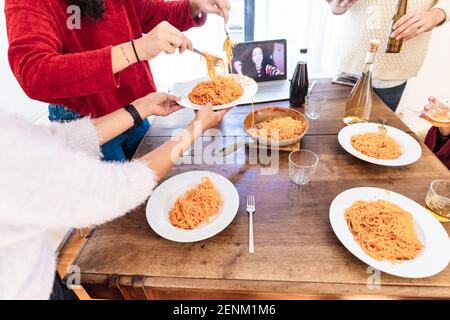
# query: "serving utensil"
{"type": "Point", "coordinates": [232, 148]}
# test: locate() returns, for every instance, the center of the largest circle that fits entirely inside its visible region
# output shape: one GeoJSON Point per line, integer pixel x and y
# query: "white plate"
{"type": "Point", "coordinates": [435, 256]}
{"type": "Point", "coordinates": [411, 150]}
{"type": "Point", "coordinates": [183, 89]}
{"type": "Point", "coordinates": [164, 197]}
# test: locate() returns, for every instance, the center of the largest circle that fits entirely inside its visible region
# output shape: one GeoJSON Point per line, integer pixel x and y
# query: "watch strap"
{"type": "Point", "coordinates": [134, 114]}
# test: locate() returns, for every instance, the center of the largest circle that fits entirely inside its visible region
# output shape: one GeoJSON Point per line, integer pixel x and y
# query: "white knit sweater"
{"type": "Point", "coordinates": [52, 178]}
{"type": "Point", "coordinates": [371, 19]}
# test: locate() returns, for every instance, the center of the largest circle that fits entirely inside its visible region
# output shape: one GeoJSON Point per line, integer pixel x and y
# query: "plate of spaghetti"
{"type": "Point", "coordinates": [221, 92]}
{"type": "Point", "coordinates": [192, 206]}
{"type": "Point", "coordinates": [220, 89]}
{"type": "Point", "coordinates": [386, 147]}
{"type": "Point", "coordinates": [390, 232]}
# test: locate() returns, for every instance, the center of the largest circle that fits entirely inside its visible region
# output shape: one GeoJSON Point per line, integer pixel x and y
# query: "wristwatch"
{"type": "Point", "coordinates": [134, 114]}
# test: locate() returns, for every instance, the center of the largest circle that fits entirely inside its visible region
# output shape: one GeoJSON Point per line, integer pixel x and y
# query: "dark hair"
{"type": "Point", "coordinates": [248, 66]}
{"type": "Point", "coordinates": [93, 9]}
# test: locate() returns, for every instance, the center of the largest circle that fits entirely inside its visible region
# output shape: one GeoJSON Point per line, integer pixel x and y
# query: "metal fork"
{"type": "Point", "coordinates": [383, 126]}
{"type": "Point", "coordinates": [226, 31]}
{"type": "Point", "coordinates": [217, 60]}
{"type": "Point", "coordinates": [251, 210]}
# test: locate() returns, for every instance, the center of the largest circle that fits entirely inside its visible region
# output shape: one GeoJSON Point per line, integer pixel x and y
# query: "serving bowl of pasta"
{"type": "Point", "coordinates": [276, 126]}
{"type": "Point", "coordinates": [221, 92]}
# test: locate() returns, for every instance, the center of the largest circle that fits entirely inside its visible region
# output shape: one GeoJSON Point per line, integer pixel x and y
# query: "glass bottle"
{"type": "Point", "coordinates": [359, 103]}
{"type": "Point", "coordinates": [300, 82]}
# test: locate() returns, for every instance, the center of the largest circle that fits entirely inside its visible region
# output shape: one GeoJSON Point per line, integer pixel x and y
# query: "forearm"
{"type": "Point", "coordinates": [88, 134]}
{"type": "Point", "coordinates": [180, 14]}
{"type": "Point", "coordinates": [162, 159]}
{"type": "Point", "coordinates": [122, 56]}
{"type": "Point", "coordinates": [115, 123]}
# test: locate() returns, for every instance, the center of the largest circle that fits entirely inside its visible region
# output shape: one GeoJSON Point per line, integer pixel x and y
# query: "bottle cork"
{"type": "Point", "coordinates": [374, 45]}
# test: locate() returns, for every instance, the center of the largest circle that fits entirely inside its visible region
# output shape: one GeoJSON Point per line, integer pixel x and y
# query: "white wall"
{"type": "Point", "coordinates": [12, 97]}
{"type": "Point", "coordinates": [433, 80]}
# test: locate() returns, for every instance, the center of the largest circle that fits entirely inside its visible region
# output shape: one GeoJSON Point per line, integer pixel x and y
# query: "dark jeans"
{"type": "Point", "coordinates": [60, 290]}
{"type": "Point", "coordinates": [391, 96]}
{"type": "Point", "coordinates": [121, 148]}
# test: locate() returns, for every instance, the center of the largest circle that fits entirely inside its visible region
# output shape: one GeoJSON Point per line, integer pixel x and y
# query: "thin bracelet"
{"type": "Point", "coordinates": [123, 51]}
{"type": "Point", "coordinates": [135, 51]}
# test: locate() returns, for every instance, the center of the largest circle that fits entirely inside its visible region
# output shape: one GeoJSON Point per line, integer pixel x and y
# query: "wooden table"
{"type": "Point", "coordinates": [297, 254]}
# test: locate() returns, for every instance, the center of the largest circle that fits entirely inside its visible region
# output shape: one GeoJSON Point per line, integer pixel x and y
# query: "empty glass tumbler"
{"type": "Point", "coordinates": [314, 105]}
{"type": "Point", "coordinates": [302, 166]}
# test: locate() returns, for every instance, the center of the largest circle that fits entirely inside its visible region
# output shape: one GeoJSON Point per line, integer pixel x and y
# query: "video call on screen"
{"type": "Point", "coordinates": [260, 60]}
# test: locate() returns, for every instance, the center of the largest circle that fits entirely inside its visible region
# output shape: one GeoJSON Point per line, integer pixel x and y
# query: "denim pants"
{"type": "Point", "coordinates": [121, 148]}
{"type": "Point", "coordinates": [391, 96]}
{"type": "Point", "coordinates": [60, 290]}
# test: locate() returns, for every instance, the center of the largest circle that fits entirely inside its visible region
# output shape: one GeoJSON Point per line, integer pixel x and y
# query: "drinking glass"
{"type": "Point", "coordinates": [438, 198]}
{"type": "Point", "coordinates": [314, 105]}
{"type": "Point", "coordinates": [438, 115]}
{"type": "Point", "coordinates": [302, 166]}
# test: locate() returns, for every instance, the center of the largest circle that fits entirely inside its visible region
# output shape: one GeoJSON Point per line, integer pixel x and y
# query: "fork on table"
{"type": "Point", "coordinates": [251, 207]}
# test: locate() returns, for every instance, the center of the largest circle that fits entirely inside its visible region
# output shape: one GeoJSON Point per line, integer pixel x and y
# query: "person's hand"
{"type": "Point", "coordinates": [435, 107]}
{"type": "Point", "coordinates": [219, 7]}
{"type": "Point", "coordinates": [238, 67]}
{"type": "Point", "coordinates": [415, 23]}
{"type": "Point", "coordinates": [208, 118]}
{"type": "Point", "coordinates": [436, 110]}
{"type": "Point", "coordinates": [163, 38]}
{"type": "Point", "coordinates": [341, 6]}
{"type": "Point", "coordinates": [157, 104]}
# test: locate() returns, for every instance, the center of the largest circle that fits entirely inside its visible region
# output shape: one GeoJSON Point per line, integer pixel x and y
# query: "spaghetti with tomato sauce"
{"type": "Point", "coordinates": [377, 145]}
{"type": "Point", "coordinates": [196, 206]}
{"type": "Point", "coordinates": [383, 230]}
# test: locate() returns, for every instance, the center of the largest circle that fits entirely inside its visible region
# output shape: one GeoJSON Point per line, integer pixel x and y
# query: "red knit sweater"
{"type": "Point", "coordinates": [442, 150]}
{"type": "Point", "coordinates": [73, 68]}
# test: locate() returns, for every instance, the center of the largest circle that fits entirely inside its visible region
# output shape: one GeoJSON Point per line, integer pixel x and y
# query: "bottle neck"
{"type": "Point", "coordinates": [370, 60]}
{"type": "Point", "coordinates": [368, 69]}
{"type": "Point", "coordinates": [370, 57]}
{"type": "Point", "coordinates": [303, 58]}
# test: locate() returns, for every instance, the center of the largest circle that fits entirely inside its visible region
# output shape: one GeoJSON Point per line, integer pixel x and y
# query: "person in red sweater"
{"type": "Point", "coordinates": [99, 65]}
{"type": "Point", "coordinates": [438, 138]}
